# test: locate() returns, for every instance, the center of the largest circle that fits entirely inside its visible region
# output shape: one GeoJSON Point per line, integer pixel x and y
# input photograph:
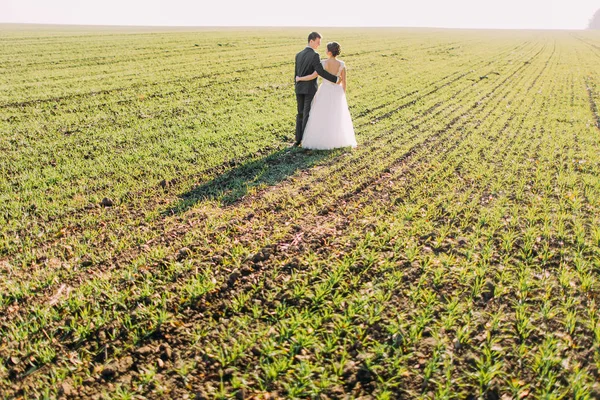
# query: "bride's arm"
{"type": "Point", "coordinates": [343, 78]}
{"type": "Point", "coordinates": [307, 77]}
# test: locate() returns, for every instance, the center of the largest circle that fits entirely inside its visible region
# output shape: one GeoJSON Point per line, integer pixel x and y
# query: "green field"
{"type": "Point", "coordinates": [454, 254]}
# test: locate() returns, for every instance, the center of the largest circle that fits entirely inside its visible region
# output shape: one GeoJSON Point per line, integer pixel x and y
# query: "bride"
{"type": "Point", "coordinates": [329, 125]}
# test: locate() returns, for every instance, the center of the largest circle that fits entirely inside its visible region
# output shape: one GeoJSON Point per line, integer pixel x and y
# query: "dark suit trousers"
{"type": "Point", "coordinates": [304, 101]}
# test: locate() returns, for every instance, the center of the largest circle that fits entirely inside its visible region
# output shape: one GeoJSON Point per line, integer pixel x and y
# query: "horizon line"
{"type": "Point", "coordinates": [285, 26]}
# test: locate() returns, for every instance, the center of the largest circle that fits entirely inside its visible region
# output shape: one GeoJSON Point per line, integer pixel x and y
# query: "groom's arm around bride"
{"type": "Point", "coordinates": [307, 62]}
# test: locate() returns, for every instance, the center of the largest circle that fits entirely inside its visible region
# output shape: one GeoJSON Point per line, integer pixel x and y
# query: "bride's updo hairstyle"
{"type": "Point", "coordinates": [334, 48]}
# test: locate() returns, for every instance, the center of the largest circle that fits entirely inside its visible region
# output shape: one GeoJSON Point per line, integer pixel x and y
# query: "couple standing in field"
{"type": "Point", "coordinates": [323, 121]}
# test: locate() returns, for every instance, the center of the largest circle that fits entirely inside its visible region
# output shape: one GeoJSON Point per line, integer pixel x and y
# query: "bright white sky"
{"type": "Point", "coordinates": [526, 14]}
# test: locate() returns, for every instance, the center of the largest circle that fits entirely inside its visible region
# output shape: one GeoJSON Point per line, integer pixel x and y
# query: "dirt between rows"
{"type": "Point", "coordinates": [248, 276]}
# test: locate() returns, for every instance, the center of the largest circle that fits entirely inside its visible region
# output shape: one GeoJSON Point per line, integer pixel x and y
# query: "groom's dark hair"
{"type": "Point", "coordinates": [314, 36]}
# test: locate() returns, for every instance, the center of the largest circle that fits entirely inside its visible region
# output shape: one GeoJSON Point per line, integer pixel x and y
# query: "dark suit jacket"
{"type": "Point", "coordinates": [307, 62]}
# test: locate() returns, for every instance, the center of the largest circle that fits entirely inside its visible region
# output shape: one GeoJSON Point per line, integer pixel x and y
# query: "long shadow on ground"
{"type": "Point", "coordinates": [270, 170]}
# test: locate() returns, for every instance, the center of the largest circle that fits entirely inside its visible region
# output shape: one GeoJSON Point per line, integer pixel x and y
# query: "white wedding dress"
{"type": "Point", "coordinates": [329, 124]}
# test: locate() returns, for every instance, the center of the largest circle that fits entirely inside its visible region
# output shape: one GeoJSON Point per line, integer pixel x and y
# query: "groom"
{"type": "Point", "coordinates": [307, 62]}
